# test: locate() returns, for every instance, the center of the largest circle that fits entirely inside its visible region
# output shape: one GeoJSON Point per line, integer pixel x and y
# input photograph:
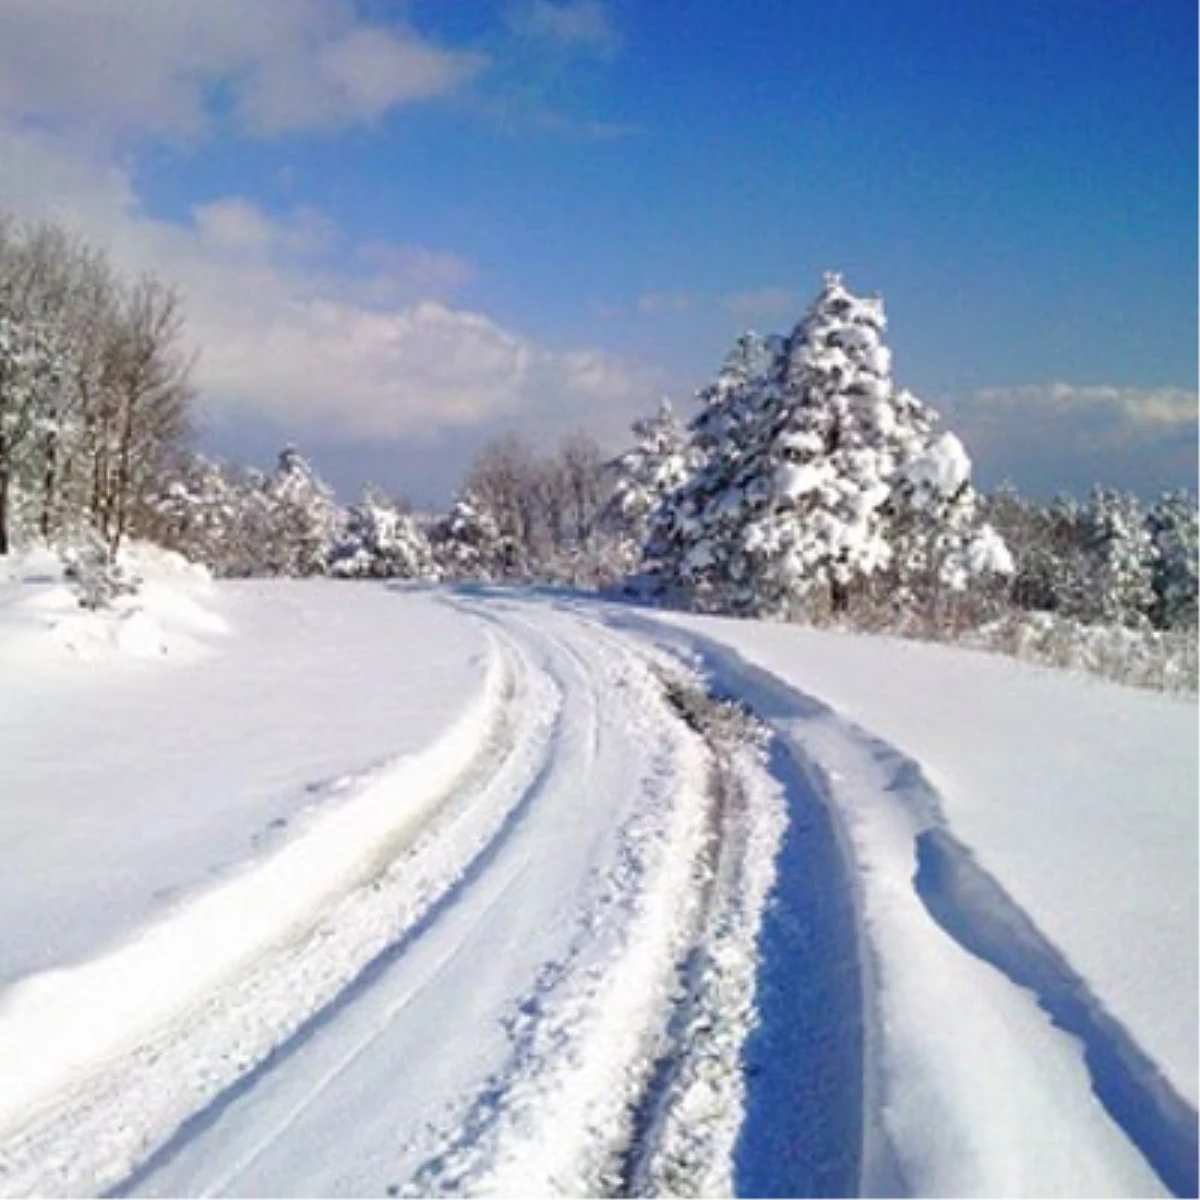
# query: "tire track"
{"type": "Point", "coordinates": [94, 1135]}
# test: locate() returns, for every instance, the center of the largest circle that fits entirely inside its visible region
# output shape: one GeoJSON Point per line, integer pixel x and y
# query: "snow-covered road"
{"type": "Point", "coordinates": [528, 948]}
{"type": "Point", "coordinates": [499, 997]}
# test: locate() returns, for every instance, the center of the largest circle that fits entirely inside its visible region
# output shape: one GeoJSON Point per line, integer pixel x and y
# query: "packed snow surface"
{"type": "Point", "coordinates": [345, 889]}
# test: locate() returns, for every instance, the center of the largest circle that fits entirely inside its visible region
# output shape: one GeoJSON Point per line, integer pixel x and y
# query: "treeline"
{"type": "Point", "coordinates": [94, 389]}
{"type": "Point", "coordinates": [806, 484]}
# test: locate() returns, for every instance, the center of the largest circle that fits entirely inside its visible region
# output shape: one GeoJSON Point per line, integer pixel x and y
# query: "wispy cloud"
{"type": "Point", "coordinates": [654, 303]}
{"type": "Point", "coordinates": [127, 68]}
{"type": "Point", "coordinates": [1062, 436]}
{"type": "Point", "coordinates": [763, 302]}
{"type": "Point", "coordinates": [290, 338]}
{"type": "Point", "coordinates": [576, 26]}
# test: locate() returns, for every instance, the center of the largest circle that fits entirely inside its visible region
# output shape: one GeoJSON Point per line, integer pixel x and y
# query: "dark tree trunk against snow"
{"type": "Point", "coordinates": [4, 491]}
{"type": "Point", "coordinates": [46, 522]}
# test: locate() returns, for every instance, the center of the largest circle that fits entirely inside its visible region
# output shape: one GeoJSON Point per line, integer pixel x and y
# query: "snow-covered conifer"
{"type": "Point", "coordinates": [821, 474]}
{"type": "Point", "coordinates": [657, 465]}
{"type": "Point", "coordinates": [688, 544]}
{"type": "Point", "coordinates": [381, 542]}
{"type": "Point", "coordinates": [1174, 527]}
{"type": "Point", "coordinates": [1121, 552]}
{"type": "Point", "coordinates": [469, 545]}
{"type": "Point", "coordinates": [303, 519]}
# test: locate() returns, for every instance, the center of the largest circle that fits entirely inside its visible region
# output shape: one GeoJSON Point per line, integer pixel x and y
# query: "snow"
{"type": "Point", "coordinates": [1079, 797]}
{"type": "Point", "coordinates": [942, 468]}
{"type": "Point", "coordinates": [163, 773]}
{"type": "Point", "coordinates": [333, 888]}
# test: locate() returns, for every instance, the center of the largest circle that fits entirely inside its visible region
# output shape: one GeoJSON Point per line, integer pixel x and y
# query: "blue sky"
{"type": "Point", "coordinates": [401, 228]}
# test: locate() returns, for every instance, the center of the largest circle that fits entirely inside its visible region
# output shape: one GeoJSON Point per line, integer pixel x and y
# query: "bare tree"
{"type": "Point", "coordinates": [145, 397]}
{"type": "Point", "coordinates": [93, 385]}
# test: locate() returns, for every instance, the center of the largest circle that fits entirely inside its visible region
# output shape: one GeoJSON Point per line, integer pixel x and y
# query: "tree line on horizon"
{"type": "Point", "coordinates": [806, 485]}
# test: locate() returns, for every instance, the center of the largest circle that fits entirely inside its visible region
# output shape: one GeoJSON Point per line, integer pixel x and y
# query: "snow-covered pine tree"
{"type": "Point", "coordinates": [381, 542]}
{"type": "Point", "coordinates": [1120, 549]}
{"type": "Point", "coordinates": [468, 544]}
{"type": "Point", "coordinates": [657, 465]}
{"type": "Point", "coordinates": [303, 519]}
{"type": "Point", "coordinates": [822, 474]}
{"type": "Point", "coordinates": [687, 548]}
{"type": "Point", "coordinates": [1174, 527]}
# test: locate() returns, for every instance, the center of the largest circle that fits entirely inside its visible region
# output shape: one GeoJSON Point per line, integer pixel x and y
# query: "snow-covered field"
{"type": "Point", "coordinates": [325, 888]}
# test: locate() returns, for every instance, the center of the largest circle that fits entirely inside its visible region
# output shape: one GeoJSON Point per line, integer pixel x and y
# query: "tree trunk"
{"type": "Point", "coordinates": [49, 487]}
{"type": "Point", "coordinates": [3, 494]}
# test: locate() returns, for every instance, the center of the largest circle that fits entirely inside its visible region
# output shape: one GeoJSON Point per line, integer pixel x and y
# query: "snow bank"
{"type": "Point", "coordinates": [142, 982]}
{"type": "Point", "coordinates": [170, 615]}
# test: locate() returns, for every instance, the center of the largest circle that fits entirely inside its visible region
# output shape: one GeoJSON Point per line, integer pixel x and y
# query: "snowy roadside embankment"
{"type": "Point", "coordinates": [1024, 849]}
{"type": "Point", "coordinates": [132, 783]}
{"type": "Point", "coordinates": [128, 990]}
{"type": "Point", "coordinates": [43, 627]}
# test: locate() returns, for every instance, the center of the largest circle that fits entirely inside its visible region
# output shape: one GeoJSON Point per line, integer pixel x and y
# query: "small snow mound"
{"type": "Point", "coordinates": [165, 614]}
{"type": "Point", "coordinates": [139, 634]}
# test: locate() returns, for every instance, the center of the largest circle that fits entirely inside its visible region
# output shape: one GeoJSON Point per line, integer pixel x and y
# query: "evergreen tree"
{"type": "Point", "coordinates": [468, 543]}
{"type": "Point", "coordinates": [1174, 527]}
{"type": "Point", "coordinates": [820, 474]}
{"type": "Point", "coordinates": [302, 518]}
{"type": "Point", "coordinates": [381, 542]}
{"type": "Point", "coordinates": [1120, 588]}
{"type": "Point", "coordinates": [658, 464]}
{"type": "Point", "coordinates": [686, 545]}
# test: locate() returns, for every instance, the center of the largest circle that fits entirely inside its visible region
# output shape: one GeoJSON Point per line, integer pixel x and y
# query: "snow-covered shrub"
{"type": "Point", "coordinates": [95, 574]}
{"type": "Point", "coordinates": [468, 545]}
{"type": "Point", "coordinates": [381, 542]}
{"type": "Point", "coordinates": [1165, 660]}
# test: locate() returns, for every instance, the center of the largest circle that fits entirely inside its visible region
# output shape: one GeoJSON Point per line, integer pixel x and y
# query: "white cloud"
{"type": "Point", "coordinates": [753, 304]}
{"type": "Point", "coordinates": [287, 340]}
{"type": "Point", "coordinates": [400, 270]}
{"type": "Point", "coordinates": [763, 302]}
{"type": "Point", "coordinates": [654, 303]}
{"type": "Point", "coordinates": [1061, 436]}
{"type": "Point", "coordinates": [568, 24]}
{"type": "Point", "coordinates": [137, 68]}
{"type": "Point", "coordinates": [355, 77]}
{"type": "Point", "coordinates": [233, 224]}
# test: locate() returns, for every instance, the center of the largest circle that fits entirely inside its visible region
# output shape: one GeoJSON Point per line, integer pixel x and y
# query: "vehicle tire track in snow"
{"type": "Point", "coordinates": [972, 908]}
{"type": "Point", "coordinates": [627, 1080]}
{"type": "Point", "coordinates": [556, 1117]}
{"type": "Point", "coordinates": [114, 1113]}
{"type": "Point", "coordinates": [810, 1126]}
{"type": "Point", "coordinates": [686, 1120]}
{"type": "Point", "coordinates": [976, 911]}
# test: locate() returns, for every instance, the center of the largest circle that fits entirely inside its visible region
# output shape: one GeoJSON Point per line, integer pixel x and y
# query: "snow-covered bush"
{"type": "Point", "coordinates": [468, 544]}
{"type": "Point", "coordinates": [95, 574]}
{"type": "Point", "coordinates": [381, 542]}
{"type": "Point", "coordinates": [1164, 660]}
